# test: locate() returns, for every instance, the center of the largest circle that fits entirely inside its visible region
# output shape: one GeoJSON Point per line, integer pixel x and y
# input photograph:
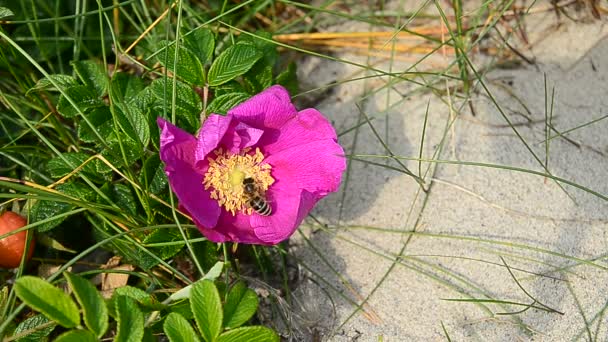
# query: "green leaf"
{"type": "Point", "coordinates": [84, 97]}
{"type": "Point", "coordinates": [48, 300]}
{"type": "Point", "coordinates": [202, 43]}
{"type": "Point", "coordinates": [76, 336]}
{"type": "Point", "coordinates": [233, 62]}
{"type": "Point", "coordinates": [263, 43]}
{"type": "Point", "coordinates": [124, 198]}
{"type": "Point", "coordinates": [240, 306]}
{"type": "Point", "coordinates": [46, 209]}
{"type": "Point", "coordinates": [5, 12]}
{"type": "Point", "coordinates": [188, 104]}
{"type": "Point", "coordinates": [186, 292]}
{"type": "Point", "coordinates": [178, 329]}
{"type": "Point", "coordinates": [189, 68]}
{"type": "Point", "coordinates": [153, 176]}
{"type": "Point", "coordinates": [43, 210]}
{"type": "Point", "coordinates": [101, 120]}
{"type": "Point", "coordinates": [207, 309]}
{"type": "Point", "coordinates": [133, 122]}
{"type": "Point", "coordinates": [92, 75]}
{"type": "Point", "coordinates": [142, 297]}
{"type": "Point", "coordinates": [223, 103]}
{"type": "Point", "coordinates": [33, 323]}
{"type": "Point", "coordinates": [289, 79]}
{"type": "Point", "coordinates": [249, 334]}
{"type": "Point", "coordinates": [130, 320]}
{"type": "Point", "coordinates": [125, 86]}
{"type": "Point", "coordinates": [132, 149]}
{"type": "Point", "coordinates": [95, 312]}
{"type": "Point", "coordinates": [63, 81]}
{"type": "Point", "coordinates": [67, 162]}
{"type": "Point", "coordinates": [264, 77]}
{"type": "Point", "coordinates": [165, 235]}
{"type": "Point", "coordinates": [182, 308]}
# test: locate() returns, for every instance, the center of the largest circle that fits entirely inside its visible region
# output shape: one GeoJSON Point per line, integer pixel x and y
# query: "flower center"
{"type": "Point", "coordinates": [226, 174]}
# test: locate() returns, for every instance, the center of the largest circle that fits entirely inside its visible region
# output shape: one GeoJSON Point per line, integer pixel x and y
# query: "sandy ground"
{"type": "Point", "coordinates": [541, 230]}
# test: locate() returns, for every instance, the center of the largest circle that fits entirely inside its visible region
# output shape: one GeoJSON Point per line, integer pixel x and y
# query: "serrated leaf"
{"type": "Point", "coordinates": [5, 12]}
{"type": "Point", "coordinates": [43, 210]}
{"type": "Point", "coordinates": [241, 305]}
{"type": "Point", "coordinates": [223, 103]}
{"type": "Point", "coordinates": [186, 292]}
{"type": "Point", "coordinates": [165, 235]}
{"type": "Point", "coordinates": [140, 296]}
{"type": "Point", "coordinates": [264, 77]}
{"type": "Point", "coordinates": [3, 298]}
{"type": "Point", "coordinates": [153, 176]}
{"type": "Point", "coordinates": [66, 163]}
{"type": "Point", "coordinates": [84, 97]}
{"type": "Point", "coordinates": [182, 308]}
{"type": "Point", "coordinates": [95, 312]}
{"type": "Point", "coordinates": [124, 198]}
{"type": "Point", "coordinates": [188, 103]}
{"type": "Point", "coordinates": [92, 75]}
{"type": "Point", "coordinates": [133, 122]}
{"type": "Point", "coordinates": [48, 300]}
{"type": "Point", "coordinates": [189, 68]}
{"type": "Point", "coordinates": [113, 153]}
{"type": "Point", "coordinates": [233, 62]}
{"type": "Point", "coordinates": [263, 43]}
{"type": "Point", "coordinates": [207, 309]}
{"type": "Point", "coordinates": [31, 324]}
{"type": "Point", "coordinates": [251, 334]}
{"type": "Point", "coordinates": [76, 336]}
{"type": "Point", "coordinates": [62, 81]}
{"type": "Point", "coordinates": [126, 86]}
{"type": "Point", "coordinates": [178, 329]}
{"type": "Point", "coordinates": [101, 120]}
{"type": "Point", "coordinates": [46, 209]}
{"type": "Point", "coordinates": [129, 319]}
{"type": "Point", "coordinates": [289, 79]}
{"type": "Point", "coordinates": [202, 43]}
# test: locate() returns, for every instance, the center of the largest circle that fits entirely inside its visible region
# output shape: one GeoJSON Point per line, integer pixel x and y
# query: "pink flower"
{"type": "Point", "coordinates": [292, 158]}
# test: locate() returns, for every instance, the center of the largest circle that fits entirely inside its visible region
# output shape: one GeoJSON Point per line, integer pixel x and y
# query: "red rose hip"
{"type": "Point", "coordinates": [12, 247]}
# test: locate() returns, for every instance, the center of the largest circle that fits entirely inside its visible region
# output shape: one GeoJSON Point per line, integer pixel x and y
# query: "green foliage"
{"type": "Point", "coordinates": [79, 118]}
{"type": "Point", "coordinates": [95, 312]}
{"type": "Point", "coordinates": [129, 320]}
{"type": "Point", "coordinates": [207, 309]}
{"type": "Point", "coordinates": [240, 306]}
{"type": "Point", "coordinates": [34, 329]}
{"type": "Point", "coordinates": [128, 307]}
{"type": "Point", "coordinates": [178, 329]}
{"type": "Point", "coordinates": [189, 67]}
{"type": "Point", "coordinates": [49, 300]}
{"type": "Point", "coordinates": [258, 334]}
{"type": "Point", "coordinates": [77, 336]}
{"type": "Point", "coordinates": [233, 62]}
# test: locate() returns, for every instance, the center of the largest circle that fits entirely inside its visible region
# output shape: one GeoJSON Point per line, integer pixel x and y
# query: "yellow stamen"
{"type": "Point", "coordinates": [226, 174]}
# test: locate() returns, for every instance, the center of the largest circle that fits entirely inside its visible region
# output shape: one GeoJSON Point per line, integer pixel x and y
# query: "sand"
{"type": "Point", "coordinates": [473, 215]}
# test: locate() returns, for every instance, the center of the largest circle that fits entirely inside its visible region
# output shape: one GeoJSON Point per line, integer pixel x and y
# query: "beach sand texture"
{"type": "Point", "coordinates": [407, 253]}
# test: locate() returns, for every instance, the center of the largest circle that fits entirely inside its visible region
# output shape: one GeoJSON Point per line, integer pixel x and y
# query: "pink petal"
{"type": "Point", "coordinates": [211, 133]}
{"type": "Point", "coordinates": [290, 206]}
{"type": "Point", "coordinates": [268, 109]}
{"type": "Point", "coordinates": [316, 166]}
{"type": "Point", "coordinates": [309, 125]}
{"type": "Point", "coordinates": [240, 136]}
{"type": "Point", "coordinates": [232, 228]}
{"type": "Point", "coordinates": [177, 151]}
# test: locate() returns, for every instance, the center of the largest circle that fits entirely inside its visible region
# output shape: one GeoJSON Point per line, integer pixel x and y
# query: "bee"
{"type": "Point", "coordinates": [255, 199]}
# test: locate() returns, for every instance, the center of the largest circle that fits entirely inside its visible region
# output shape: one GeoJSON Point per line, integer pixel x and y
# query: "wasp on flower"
{"type": "Point", "coordinates": [253, 175]}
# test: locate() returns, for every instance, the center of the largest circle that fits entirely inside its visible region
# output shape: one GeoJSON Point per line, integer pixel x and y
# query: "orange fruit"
{"type": "Point", "coordinates": [11, 248]}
